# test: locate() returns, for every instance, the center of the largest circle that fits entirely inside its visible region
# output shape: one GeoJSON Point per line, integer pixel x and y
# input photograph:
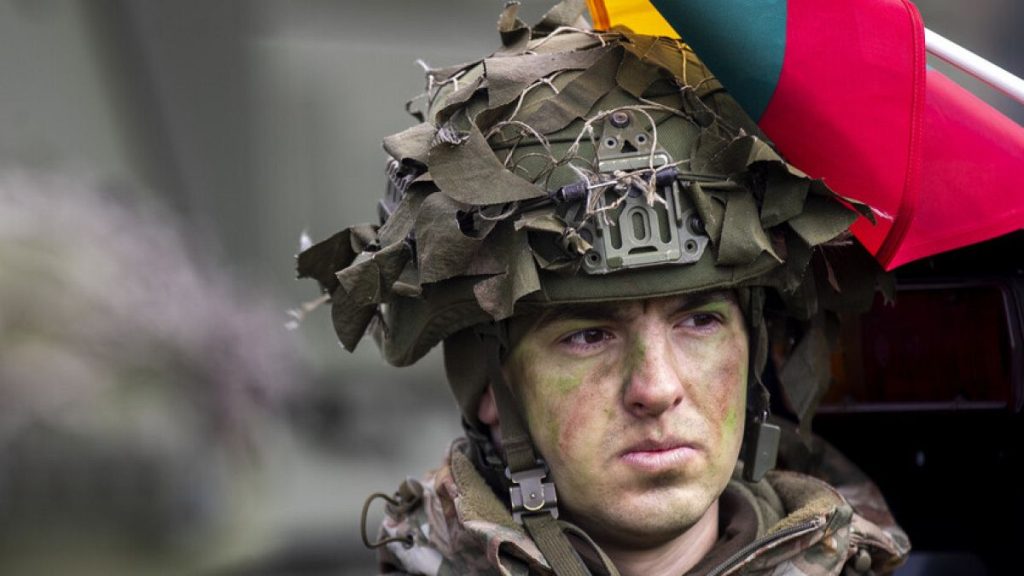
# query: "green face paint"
{"type": "Point", "coordinates": [730, 422]}
{"type": "Point", "coordinates": [636, 357]}
{"type": "Point", "coordinates": [563, 384]}
{"type": "Point", "coordinates": [661, 369]}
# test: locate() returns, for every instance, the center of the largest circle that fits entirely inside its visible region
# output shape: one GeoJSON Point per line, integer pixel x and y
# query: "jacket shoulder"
{"type": "Point", "coordinates": [455, 525]}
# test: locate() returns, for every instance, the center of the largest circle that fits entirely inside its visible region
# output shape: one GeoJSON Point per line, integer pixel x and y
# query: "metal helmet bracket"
{"type": "Point", "coordinates": [640, 217]}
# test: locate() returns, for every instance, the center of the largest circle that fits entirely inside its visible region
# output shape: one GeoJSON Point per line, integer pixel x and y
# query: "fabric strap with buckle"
{"type": "Point", "coordinates": [534, 502]}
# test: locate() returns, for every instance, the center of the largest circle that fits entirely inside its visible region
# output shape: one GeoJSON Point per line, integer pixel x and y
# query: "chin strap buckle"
{"type": "Point", "coordinates": [530, 494]}
{"type": "Point", "coordinates": [762, 447]}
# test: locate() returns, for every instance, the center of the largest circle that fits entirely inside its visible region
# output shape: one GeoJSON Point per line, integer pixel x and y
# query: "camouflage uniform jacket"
{"type": "Point", "coordinates": [804, 526]}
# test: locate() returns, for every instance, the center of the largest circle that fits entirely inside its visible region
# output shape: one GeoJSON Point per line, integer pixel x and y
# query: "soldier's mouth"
{"type": "Point", "coordinates": [649, 456]}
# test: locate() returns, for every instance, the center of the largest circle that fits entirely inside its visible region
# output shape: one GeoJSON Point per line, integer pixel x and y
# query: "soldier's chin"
{"type": "Point", "coordinates": [639, 525]}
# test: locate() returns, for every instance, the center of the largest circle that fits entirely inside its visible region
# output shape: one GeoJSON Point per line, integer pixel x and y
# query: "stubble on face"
{"type": "Point", "coordinates": [576, 402]}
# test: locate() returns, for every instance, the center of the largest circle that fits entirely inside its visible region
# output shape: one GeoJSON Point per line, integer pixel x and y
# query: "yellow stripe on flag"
{"type": "Point", "coordinates": [637, 15]}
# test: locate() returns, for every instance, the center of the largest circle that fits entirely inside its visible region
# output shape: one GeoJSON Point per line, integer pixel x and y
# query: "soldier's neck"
{"type": "Point", "coordinates": [677, 556]}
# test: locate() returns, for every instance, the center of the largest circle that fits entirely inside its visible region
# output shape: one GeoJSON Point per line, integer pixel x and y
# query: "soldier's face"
{"type": "Point", "coordinates": [638, 408]}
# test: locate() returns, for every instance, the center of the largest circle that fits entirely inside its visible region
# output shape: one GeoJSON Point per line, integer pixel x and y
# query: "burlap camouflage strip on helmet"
{"type": "Point", "coordinates": [464, 245]}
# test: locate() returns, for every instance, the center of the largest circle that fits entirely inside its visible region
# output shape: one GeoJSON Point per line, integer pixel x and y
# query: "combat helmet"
{"type": "Point", "coordinates": [579, 166]}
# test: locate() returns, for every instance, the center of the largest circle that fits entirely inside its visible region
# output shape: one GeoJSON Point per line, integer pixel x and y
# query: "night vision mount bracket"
{"type": "Point", "coordinates": [635, 233]}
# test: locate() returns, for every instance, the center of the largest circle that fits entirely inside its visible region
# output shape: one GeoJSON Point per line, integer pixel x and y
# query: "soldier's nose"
{"type": "Point", "coordinates": [652, 386]}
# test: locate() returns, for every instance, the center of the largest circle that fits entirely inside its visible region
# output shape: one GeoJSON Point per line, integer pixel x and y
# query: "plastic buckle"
{"type": "Point", "coordinates": [762, 448]}
{"type": "Point", "coordinates": [531, 495]}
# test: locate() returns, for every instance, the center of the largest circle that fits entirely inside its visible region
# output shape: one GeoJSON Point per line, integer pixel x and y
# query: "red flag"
{"type": "Point", "coordinates": [972, 164]}
{"type": "Point", "coordinates": [842, 89]}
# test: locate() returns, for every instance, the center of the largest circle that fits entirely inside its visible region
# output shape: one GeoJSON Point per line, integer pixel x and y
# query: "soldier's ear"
{"type": "Point", "coordinates": [487, 410]}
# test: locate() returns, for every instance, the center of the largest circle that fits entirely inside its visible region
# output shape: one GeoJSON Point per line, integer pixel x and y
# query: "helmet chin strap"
{"type": "Point", "coordinates": [534, 502]}
{"type": "Point", "coordinates": [760, 439]}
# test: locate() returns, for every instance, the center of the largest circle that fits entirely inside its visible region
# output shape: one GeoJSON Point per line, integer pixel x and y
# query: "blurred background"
{"type": "Point", "coordinates": [158, 164]}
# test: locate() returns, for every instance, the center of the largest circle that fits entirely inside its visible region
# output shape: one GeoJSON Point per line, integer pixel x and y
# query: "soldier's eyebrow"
{"type": "Point", "coordinates": [616, 312]}
{"type": "Point", "coordinates": [691, 301]}
{"type": "Point", "coordinates": [603, 312]}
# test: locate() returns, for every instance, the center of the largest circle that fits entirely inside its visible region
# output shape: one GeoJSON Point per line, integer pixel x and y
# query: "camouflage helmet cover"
{"type": "Point", "coordinates": [494, 198]}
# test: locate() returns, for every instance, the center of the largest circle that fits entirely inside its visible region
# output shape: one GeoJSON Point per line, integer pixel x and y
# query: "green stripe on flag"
{"type": "Point", "coordinates": [742, 41]}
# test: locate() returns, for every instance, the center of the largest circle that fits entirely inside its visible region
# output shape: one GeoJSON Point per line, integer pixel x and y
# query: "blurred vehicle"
{"type": "Point", "coordinates": [927, 400]}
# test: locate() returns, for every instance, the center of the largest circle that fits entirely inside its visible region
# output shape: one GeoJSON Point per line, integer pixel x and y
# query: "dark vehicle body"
{"type": "Point", "coordinates": [927, 401]}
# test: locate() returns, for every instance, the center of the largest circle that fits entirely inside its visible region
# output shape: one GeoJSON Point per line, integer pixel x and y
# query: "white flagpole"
{"type": "Point", "coordinates": [974, 65]}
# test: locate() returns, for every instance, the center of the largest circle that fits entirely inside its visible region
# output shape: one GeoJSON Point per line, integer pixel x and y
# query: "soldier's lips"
{"type": "Point", "coordinates": [659, 456]}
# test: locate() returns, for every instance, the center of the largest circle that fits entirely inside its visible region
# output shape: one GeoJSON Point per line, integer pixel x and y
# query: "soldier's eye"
{"type": "Point", "coordinates": [587, 337]}
{"type": "Point", "coordinates": [703, 321]}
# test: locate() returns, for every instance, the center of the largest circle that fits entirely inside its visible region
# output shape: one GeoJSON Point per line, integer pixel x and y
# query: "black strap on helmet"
{"type": "Point", "coordinates": [760, 438]}
{"type": "Point", "coordinates": [534, 501]}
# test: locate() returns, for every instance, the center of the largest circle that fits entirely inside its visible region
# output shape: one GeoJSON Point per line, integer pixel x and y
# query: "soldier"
{"type": "Point", "coordinates": [599, 237]}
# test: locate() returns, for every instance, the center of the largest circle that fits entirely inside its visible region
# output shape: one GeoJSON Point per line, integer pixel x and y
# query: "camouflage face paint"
{"type": "Point", "coordinates": [563, 385]}
{"type": "Point", "coordinates": [651, 371]}
{"type": "Point", "coordinates": [636, 357]}
{"type": "Point", "coordinates": [731, 421]}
